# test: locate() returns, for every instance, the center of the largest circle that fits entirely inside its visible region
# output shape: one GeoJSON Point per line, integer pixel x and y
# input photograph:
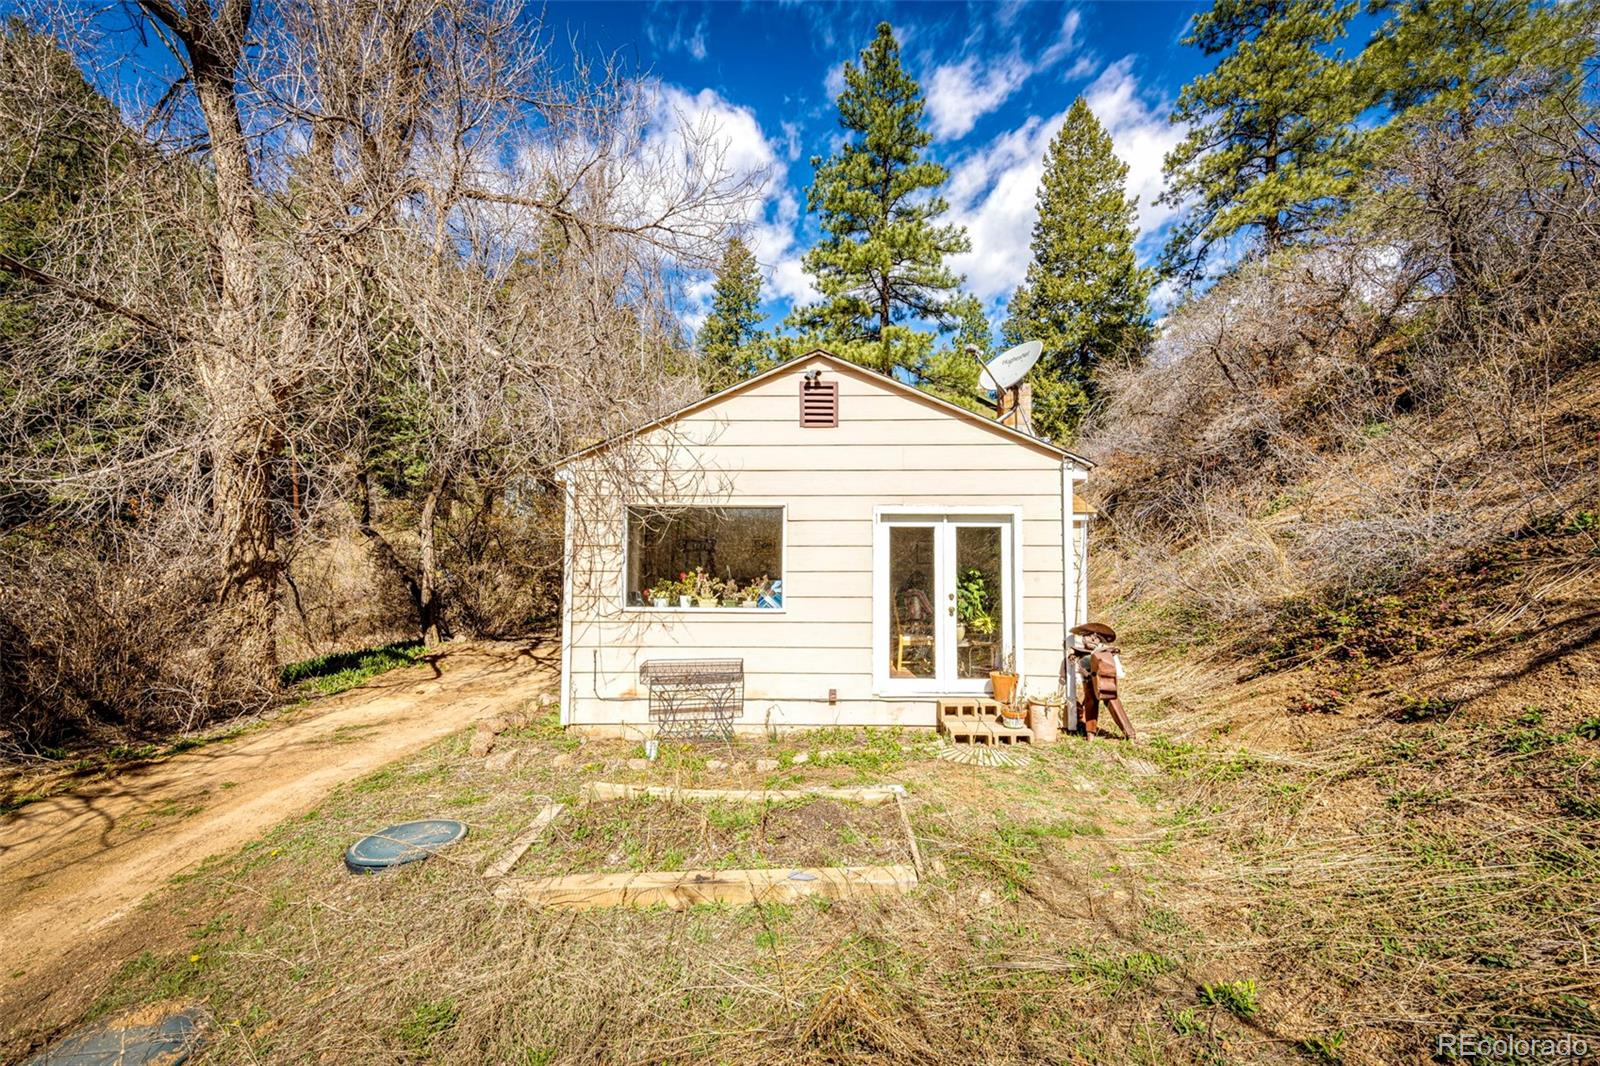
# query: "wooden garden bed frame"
{"type": "Point", "coordinates": [678, 889]}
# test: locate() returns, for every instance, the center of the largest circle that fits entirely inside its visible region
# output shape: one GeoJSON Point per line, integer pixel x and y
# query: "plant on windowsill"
{"type": "Point", "coordinates": [705, 588]}
{"type": "Point", "coordinates": [1004, 680]}
{"type": "Point", "coordinates": [753, 592]}
{"type": "Point", "coordinates": [660, 594]}
{"type": "Point", "coordinates": [683, 588]}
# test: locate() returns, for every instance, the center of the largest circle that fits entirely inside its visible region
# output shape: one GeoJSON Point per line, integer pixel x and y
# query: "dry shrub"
{"type": "Point", "coordinates": [111, 642]}
{"type": "Point", "coordinates": [1327, 422]}
{"type": "Point", "coordinates": [340, 599]}
{"type": "Point", "coordinates": [503, 560]}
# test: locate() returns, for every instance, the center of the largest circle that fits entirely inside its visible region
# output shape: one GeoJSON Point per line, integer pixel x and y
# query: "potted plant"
{"type": "Point", "coordinates": [660, 594]}
{"type": "Point", "coordinates": [728, 592]}
{"type": "Point", "coordinates": [972, 605]}
{"type": "Point", "coordinates": [684, 589]}
{"type": "Point", "coordinates": [705, 588]}
{"type": "Point", "coordinates": [752, 592]}
{"type": "Point", "coordinates": [1004, 680]}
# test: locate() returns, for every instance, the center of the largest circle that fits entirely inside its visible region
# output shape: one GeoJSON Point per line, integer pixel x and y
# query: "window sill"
{"type": "Point", "coordinates": [704, 610]}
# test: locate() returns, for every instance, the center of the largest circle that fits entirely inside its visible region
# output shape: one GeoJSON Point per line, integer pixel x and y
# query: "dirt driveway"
{"type": "Point", "coordinates": [79, 860]}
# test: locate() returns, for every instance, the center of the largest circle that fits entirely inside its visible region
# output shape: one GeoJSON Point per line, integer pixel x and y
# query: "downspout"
{"type": "Point", "coordinates": [1069, 571]}
{"type": "Point", "coordinates": [1074, 589]}
{"type": "Point", "coordinates": [568, 561]}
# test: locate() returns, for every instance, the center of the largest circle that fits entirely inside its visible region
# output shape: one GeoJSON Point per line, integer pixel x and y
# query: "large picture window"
{"type": "Point", "coordinates": [701, 557]}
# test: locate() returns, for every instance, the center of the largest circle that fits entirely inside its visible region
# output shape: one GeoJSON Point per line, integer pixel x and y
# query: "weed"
{"type": "Point", "coordinates": [1236, 997]}
{"type": "Point", "coordinates": [1325, 1047]}
{"type": "Point", "coordinates": [429, 1020]}
{"type": "Point", "coordinates": [1415, 708]}
{"type": "Point", "coordinates": [1186, 1022]}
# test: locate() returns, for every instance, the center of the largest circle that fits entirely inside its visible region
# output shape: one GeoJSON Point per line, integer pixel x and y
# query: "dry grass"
{"type": "Point", "coordinates": [1250, 883]}
{"type": "Point", "coordinates": [652, 834]}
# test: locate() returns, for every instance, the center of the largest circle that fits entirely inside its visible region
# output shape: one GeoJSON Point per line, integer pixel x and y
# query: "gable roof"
{"type": "Point", "coordinates": [1012, 434]}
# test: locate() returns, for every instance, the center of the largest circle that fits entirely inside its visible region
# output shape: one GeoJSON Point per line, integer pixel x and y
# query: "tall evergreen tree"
{"type": "Point", "coordinates": [881, 261]}
{"type": "Point", "coordinates": [1085, 296]}
{"type": "Point", "coordinates": [1444, 57]}
{"type": "Point", "coordinates": [1269, 126]}
{"type": "Point", "coordinates": [730, 339]}
{"type": "Point", "coordinates": [952, 372]}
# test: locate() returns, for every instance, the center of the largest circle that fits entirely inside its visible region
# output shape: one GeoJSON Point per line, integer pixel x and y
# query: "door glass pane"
{"type": "Point", "coordinates": [980, 601]}
{"type": "Point", "coordinates": [912, 649]}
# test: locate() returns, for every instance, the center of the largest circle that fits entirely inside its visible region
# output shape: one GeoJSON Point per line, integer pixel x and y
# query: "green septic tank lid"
{"type": "Point", "coordinates": [403, 843]}
{"type": "Point", "coordinates": [166, 1041]}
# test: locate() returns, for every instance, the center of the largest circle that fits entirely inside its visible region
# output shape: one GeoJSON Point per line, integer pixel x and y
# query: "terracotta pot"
{"type": "Point", "coordinates": [1004, 685]}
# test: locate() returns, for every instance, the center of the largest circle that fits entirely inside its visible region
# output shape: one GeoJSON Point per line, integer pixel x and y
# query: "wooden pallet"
{"type": "Point", "coordinates": [977, 721]}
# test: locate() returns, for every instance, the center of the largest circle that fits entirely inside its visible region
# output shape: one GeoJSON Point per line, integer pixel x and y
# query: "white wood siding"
{"type": "Point", "coordinates": [889, 450]}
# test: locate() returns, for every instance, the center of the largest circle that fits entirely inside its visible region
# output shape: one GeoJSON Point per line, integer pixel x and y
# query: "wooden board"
{"type": "Point", "coordinates": [870, 795]}
{"type": "Point", "coordinates": [687, 888]}
{"type": "Point", "coordinates": [547, 814]}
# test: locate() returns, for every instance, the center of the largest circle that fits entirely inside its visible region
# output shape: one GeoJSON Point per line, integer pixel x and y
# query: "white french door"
{"type": "Point", "coordinates": [944, 601]}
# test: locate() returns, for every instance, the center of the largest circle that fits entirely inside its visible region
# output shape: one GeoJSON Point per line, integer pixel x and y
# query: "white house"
{"type": "Point", "coordinates": [877, 549]}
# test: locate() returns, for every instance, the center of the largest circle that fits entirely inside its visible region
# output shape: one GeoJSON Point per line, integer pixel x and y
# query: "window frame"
{"type": "Point", "coordinates": [649, 608]}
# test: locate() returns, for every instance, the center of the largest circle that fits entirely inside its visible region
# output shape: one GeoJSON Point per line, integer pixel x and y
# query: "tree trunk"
{"type": "Point", "coordinates": [428, 608]}
{"type": "Point", "coordinates": [234, 372]}
{"type": "Point", "coordinates": [883, 331]}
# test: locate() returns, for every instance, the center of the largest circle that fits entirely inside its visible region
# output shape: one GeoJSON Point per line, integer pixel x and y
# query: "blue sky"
{"type": "Point", "coordinates": [997, 77]}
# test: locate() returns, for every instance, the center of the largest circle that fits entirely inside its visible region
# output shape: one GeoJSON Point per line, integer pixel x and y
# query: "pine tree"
{"type": "Point", "coordinates": [730, 339]}
{"type": "Point", "coordinates": [881, 261]}
{"type": "Point", "coordinates": [1443, 58]}
{"type": "Point", "coordinates": [1085, 296]}
{"type": "Point", "coordinates": [1269, 126]}
{"type": "Point", "coordinates": [952, 372]}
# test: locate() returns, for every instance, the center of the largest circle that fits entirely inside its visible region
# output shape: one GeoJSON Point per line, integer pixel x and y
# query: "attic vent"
{"type": "Point", "coordinates": [819, 404]}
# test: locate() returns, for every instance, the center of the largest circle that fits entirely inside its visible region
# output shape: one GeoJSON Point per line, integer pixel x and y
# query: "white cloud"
{"type": "Point", "coordinates": [959, 93]}
{"type": "Point", "coordinates": [730, 130]}
{"type": "Point", "coordinates": [1066, 40]}
{"type": "Point", "coordinates": [833, 82]}
{"type": "Point", "coordinates": [675, 37]}
{"type": "Point", "coordinates": [992, 193]}
{"type": "Point", "coordinates": [773, 241]}
{"type": "Point", "coordinates": [742, 149]}
{"type": "Point", "coordinates": [791, 138]}
{"type": "Point", "coordinates": [1142, 134]}
{"type": "Point", "coordinates": [993, 190]}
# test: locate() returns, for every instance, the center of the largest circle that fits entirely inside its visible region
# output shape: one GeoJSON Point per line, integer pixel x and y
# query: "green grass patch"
{"type": "Point", "coordinates": [329, 674]}
{"type": "Point", "coordinates": [427, 1022]}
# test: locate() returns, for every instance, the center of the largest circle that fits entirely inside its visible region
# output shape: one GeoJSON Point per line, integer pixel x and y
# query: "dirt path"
{"type": "Point", "coordinates": [79, 860]}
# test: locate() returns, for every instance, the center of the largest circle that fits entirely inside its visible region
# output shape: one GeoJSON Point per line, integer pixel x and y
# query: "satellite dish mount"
{"type": "Point", "coordinates": [1003, 376]}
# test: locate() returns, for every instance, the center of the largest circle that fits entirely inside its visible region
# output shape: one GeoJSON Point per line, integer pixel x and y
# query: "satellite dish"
{"type": "Point", "coordinates": [1009, 367]}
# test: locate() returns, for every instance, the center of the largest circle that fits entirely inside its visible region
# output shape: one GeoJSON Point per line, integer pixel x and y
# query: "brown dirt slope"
{"type": "Point", "coordinates": [79, 860]}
